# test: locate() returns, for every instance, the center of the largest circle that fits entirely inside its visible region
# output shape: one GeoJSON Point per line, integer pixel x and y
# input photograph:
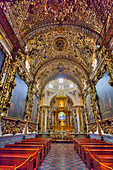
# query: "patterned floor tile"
{"type": "Point", "coordinates": [62, 157]}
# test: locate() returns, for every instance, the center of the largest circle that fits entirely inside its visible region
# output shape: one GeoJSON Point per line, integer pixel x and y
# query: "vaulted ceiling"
{"type": "Point", "coordinates": [60, 37]}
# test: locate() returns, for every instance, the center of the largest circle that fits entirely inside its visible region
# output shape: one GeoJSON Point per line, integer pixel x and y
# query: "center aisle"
{"type": "Point", "coordinates": [62, 157]}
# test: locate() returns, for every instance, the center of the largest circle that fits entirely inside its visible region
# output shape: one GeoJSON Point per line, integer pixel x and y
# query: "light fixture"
{"type": "Point", "coordinates": [61, 80]}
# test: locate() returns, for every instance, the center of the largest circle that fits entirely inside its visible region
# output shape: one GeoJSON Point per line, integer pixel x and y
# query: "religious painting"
{"type": "Point", "coordinates": [89, 110]}
{"type": "Point", "coordinates": [18, 100]}
{"type": "Point", "coordinates": [2, 58]}
{"type": "Point", "coordinates": [34, 109]}
{"type": "Point", "coordinates": [105, 96]}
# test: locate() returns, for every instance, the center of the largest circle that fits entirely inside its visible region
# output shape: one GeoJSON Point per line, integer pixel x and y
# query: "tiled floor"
{"type": "Point", "coordinates": [62, 157]}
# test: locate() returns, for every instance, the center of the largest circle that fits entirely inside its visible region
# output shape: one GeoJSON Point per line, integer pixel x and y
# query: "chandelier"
{"type": "Point", "coordinates": [60, 8]}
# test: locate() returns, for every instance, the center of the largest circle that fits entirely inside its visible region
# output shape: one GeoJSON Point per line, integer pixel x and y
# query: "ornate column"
{"type": "Point", "coordinates": [8, 86]}
{"type": "Point", "coordinates": [46, 114]}
{"type": "Point", "coordinates": [94, 105]}
{"type": "Point", "coordinates": [109, 62]}
{"type": "Point", "coordinates": [12, 83]}
{"type": "Point", "coordinates": [73, 119]}
{"type": "Point", "coordinates": [0, 127]}
{"type": "Point", "coordinates": [51, 119]}
{"type": "Point", "coordinates": [79, 116]}
{"type": "Point", "coordinates": [44, 110]}
{"type": "Point", "coordinates": [76, 120]}
{"type": "Point", "coordinates": [39, 120]}
{"type": "Point", "coordinates": [81, 119]}
{"type": "Point", "coordinates": [48, 118]}
{"type": "Point", "coordinates": [29, 105]}
{"type": "Point", "coordinates": [107, 54]}
{"type": "Point", "coordinates": [39, 117]}
{"type": "Point", "coordinates": [43, 119]}
{"type": "Point", "coordinates": [29, 102]}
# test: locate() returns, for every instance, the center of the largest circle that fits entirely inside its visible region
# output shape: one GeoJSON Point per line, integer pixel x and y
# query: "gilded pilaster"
{"type": "Point", "coordinates": [51, 119]}
{"type": "Point", "coordinates": [109, 62]}
{"type": "Point", "coordinates": [29, 103]}
{"type": "Point", "coordinates": [46, 121]}
{"type": "Point", "coordinates": [76, 119]}
{"type": "Point", "coordinates": [39, 120]}
{"type": "Point", "coordinates": [38, 116]}
{"type": "Point", "coordinates": [48, 118]}
{"type": "Point", "coordinates": [8, 85]}
{"type": "Point", "coordinates": [28, 107]}
{"type": "Point", "coordinates": [73, 120]}
{"type": "Point", "coordinates": [43, 123]}
{"type": "Point", "coordinates": [94, 105]}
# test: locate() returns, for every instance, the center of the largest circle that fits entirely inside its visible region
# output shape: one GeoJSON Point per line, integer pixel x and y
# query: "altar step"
{"type": "Point", "coordinates": [62, 141]}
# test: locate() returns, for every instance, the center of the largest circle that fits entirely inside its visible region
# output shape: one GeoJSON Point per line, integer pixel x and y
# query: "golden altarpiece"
{"type": "Point", "coordinates": [61, 114]}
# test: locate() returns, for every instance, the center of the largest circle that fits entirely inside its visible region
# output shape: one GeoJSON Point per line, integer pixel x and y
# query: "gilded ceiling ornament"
{"type": "Point", "coordinates": [60, 44]}
{"type": "Point", "coordinates": [60, 67]}
{"type": "Point", "coordinates": [60, 8]}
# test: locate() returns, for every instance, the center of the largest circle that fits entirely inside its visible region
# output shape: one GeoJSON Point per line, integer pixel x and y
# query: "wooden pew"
{"type": "Point", "coordinates": [105, 159]}
{"type": "Point", "coordinates": [14, 154]}
{"type": "Point", "coordinates": [34, 143]}
{"type": "Point", "coordinates": [77, 142]}
{"type": "Point", "coordinates": [5, 167]}
{"type": "Point", "coordinates": [94, 152]}
{"type": "Point", "coordinates": [15, 160]}
{"type": "Point", "coordinates": [79, 145]}
{"type": "Point", "coordinates": [48, 140]}
{"type": "Point", "coordinates": [40, 139]}
{"type": "Point", "coordinates": [29, 147]}
{"type": "Point", "coordinates": [94, 146]}
{"type": "Point", "coordinates": [22, 152]}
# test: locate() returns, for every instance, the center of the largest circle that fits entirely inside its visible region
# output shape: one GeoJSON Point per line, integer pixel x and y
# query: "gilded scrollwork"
{"type": "Point", "coordinates": [29, 102]}
{"type": "Point", "coordinates": [107, 64]}
{"type": "Point", "coordinates": [109, 61]}
{"type": "Point", "coordinates": [11, 125]}
{"type": "Point", "coordinates": [32, 126]}
{"type": "Point", "coordinates": [94, 102]}
{"type": "Point", "coordinates": [25, 15]}
{"type": "Point", "coordinates": [59, 38]}
{"type": "Point", "coordinates": [107, 126]}
{"type": "Point", "coordinates": [8, 84]}
{"type": "Point", "coordinates": [92, 127]}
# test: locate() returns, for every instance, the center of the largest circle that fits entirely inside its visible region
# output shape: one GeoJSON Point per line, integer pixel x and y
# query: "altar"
{"type": "Point", "coordinates": [61, 114]}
